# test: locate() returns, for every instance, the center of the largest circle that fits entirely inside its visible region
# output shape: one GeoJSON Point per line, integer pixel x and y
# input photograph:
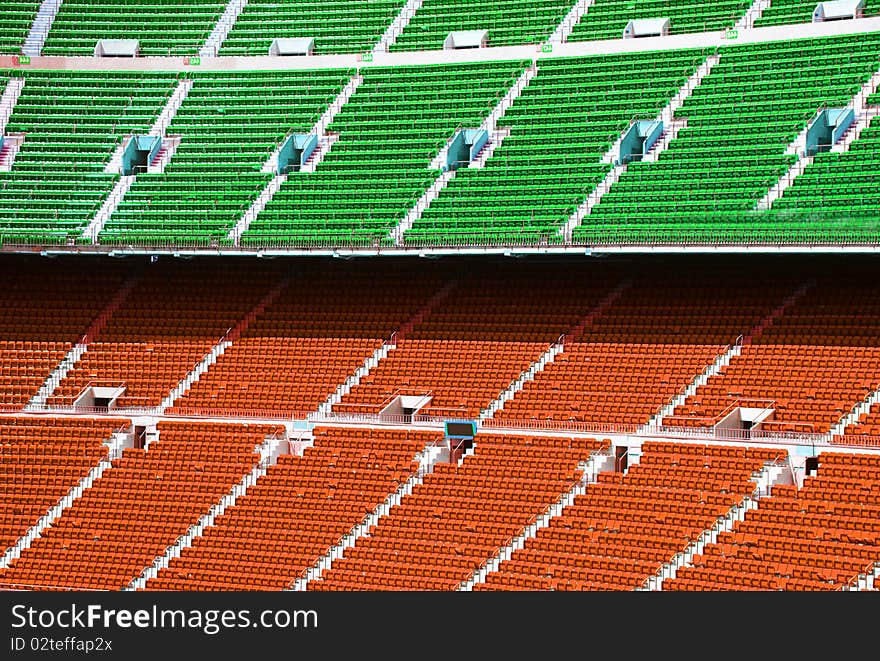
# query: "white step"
{"type": "Point", "coordinates": [210, 358]}
{"type": "Point", "coordinates": [12, 144]}
{"type": "Point", "coordinates": [721, 361]}
{"type": "Point", "coordinates": [862, 121]}
{"type": "Point", "coordinates": [597, 462]}
{"type": "Point", "coordinates": [495, 140]}
{"type": "Point", "coordinates": [415, 212]}
{"type": "Point", "coordinates": [862, 408]}
{"type": "Point", "coordinates": [38, 401]}
{"type": "Point", "coordinates": [111, 203]}
{"type": "Point", "coordinates": [725, 523]}
{"type": "Point", "coordinates": [256, 207]}
{"type": "Point", "coordinates": [753, 13]}
{"type": "Point", "coordinates": [398, 25]}
{"type": "Point", "coordinates": [864, 114]}
{"type": "Point", "coordinates": [163, 121]}
{"type": "Point", "coordinates": [170, 145]}
{"type": "Point", "coordinates": [222, 29]}
{"type": "Point", "coordinates": [354, 379]}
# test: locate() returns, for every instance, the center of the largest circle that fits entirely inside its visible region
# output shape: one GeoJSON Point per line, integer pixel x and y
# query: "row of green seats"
{"type": "Point", "coordinates": [607, 19]}
{"type": "Point", "coordinates": [229, 125]}
{"type": "Point", "coordinates": [163, 27]}
{"type": "Point", "coordinates": [73, 123]}
{"type": "Point", "coordinates": [338, 26]}
{"type": "Point", "coordinates": [16, 18]}
{"type": "Point", "coordinates": [389, 132]}
{"type": "Point", "coordinates": [740, 123]}
{"type": "Point", "coordinates": [561, 126]}
{"type": "Point", "coordinates": [510, 23]}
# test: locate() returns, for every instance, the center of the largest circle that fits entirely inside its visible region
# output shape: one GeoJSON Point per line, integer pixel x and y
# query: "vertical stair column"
{"type": "Point", "coordinates": [753, 13]}
{"type": "Point", "coordinates": [38, 401]}
{"type": "Point", "coordinates": [554, 350]}
{"type": "Point", "coordinates": [425, 459]}
{"type": "Point", "coordinates": [269, 451]}
{"type": "Point", "coordinates": [220, 348]}
{"type": "Point", "coordinates": [325, 409]}
{"type": "Point", "coordinates": [324, 142]}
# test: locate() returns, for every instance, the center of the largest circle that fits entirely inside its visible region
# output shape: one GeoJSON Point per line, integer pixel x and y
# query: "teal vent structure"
{"type": "Point", "coordinates": [827, 128]}
{"type": "Point", "coordinates": [638, 140]}
{"type": "Point", "coordinates": [465, 145]}
{"type": "Point", "coordinates": [139, 153]}
{"type": "Point", "coordinates": [296, 151]}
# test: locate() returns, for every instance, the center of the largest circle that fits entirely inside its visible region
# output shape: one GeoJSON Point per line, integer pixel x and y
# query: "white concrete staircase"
{"type": "Point", "coordinates": [222, 29]}
{"type": "Point", "coordinates": [425, 459]}
{"type": "Point", "coordinates": [398, 25]}
{"type": "Point", "coordinates": [490, 124]}
{"type": "Point", "coordinates": [8, 100]}
{"type": "Point", "coordinates": [853, 416]}
{"type": "Point", "coordinates": [114, 166]}
{"type": "Point", "coordinates": [599, 461]}
{"type": "Point", "coordinates": [779, 311]}
{"type": "Point", "coordinates": [495, 139]}
{"type": "Point", "coordinates": [111, 203]}
{"type": "Point", "coordinates": [721, 361]}
{"type": "Point", "coordinates": [268, 456]}
{"type": "Point", "coordinates": [220, 348]}
{"type": "Point", "coordinates": [326, 407]}
{"type": "Point", "coordinates": [421, 205]}
{"type": "Point", "coordinates": [554, 350]}
{"type": "Point", "coordinates": [527, 375]}
{"type": "Point", "coordinates": [33, 43]}
{"type": "Point", "coordinates": [671, 129]}
{"type": "Point", "coordinates": [11, 146]}
{"type": "Point", "coordinates": [864, 113]}
{"type": "Point", "coordinates": [114, 450]}
{"type": "Point", "coordinates": [867, 582]}
{"type": "Point", "coordinates": [572, 18]}
{"type": "Point", "coordinates": [325, 143]}
{"type": "Point", "coordinates": [38, 401]}
{"type": "Point", "coordinates": [747, 21]}
{"type": "Point", "coordinates": [763, 482]}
